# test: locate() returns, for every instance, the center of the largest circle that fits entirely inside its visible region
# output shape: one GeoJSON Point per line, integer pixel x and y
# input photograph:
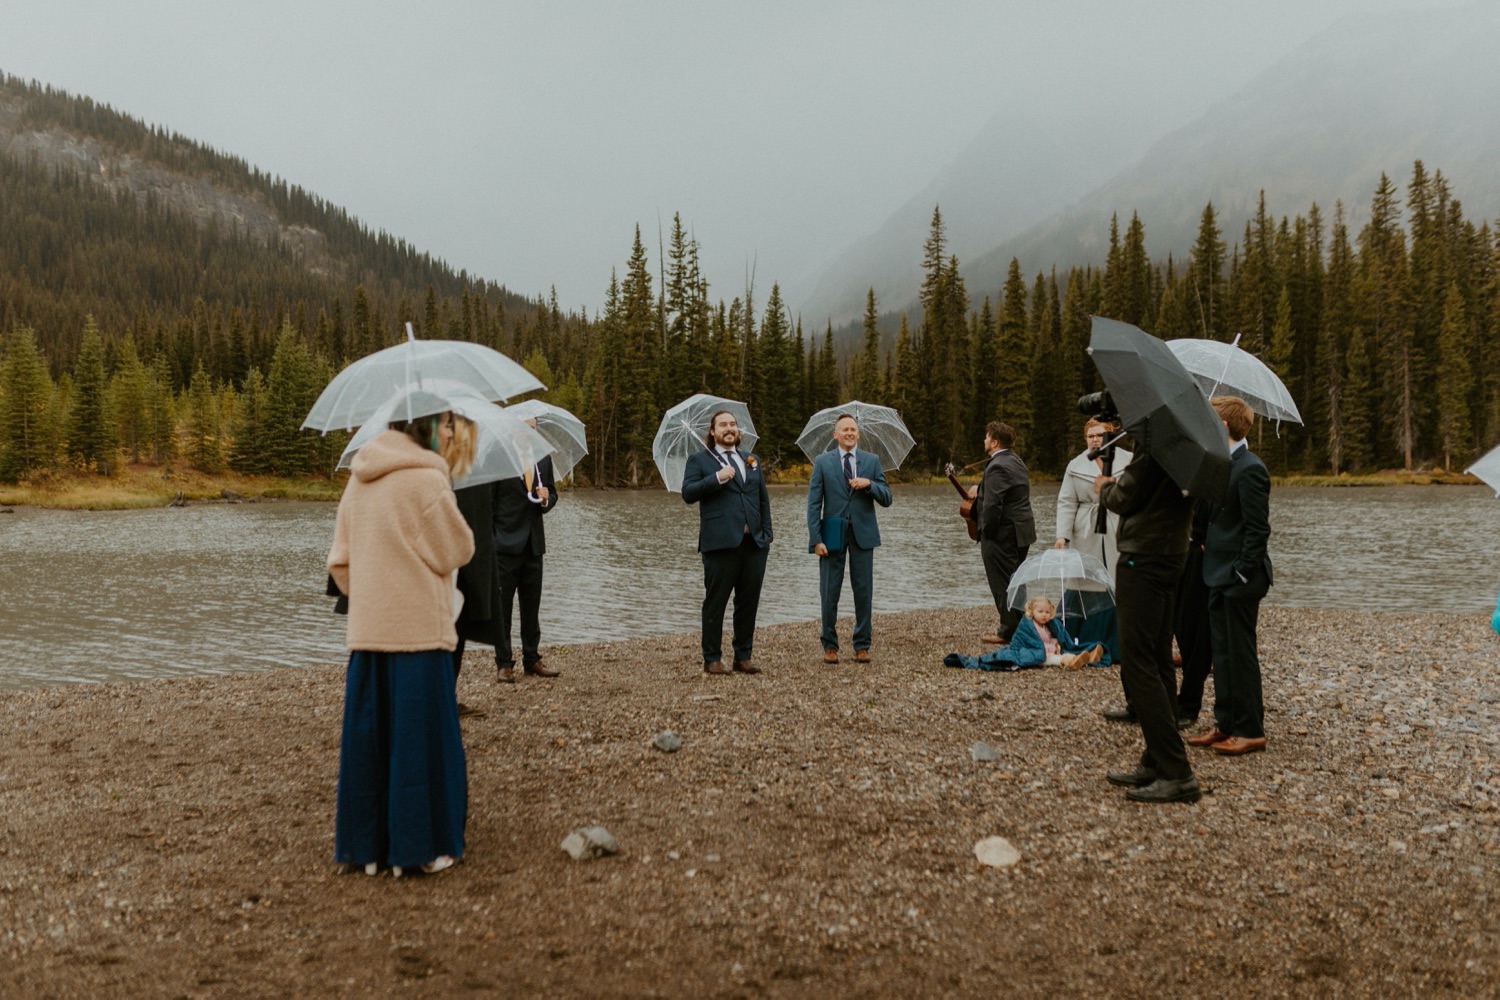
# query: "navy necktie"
{"type": "Point", "coordinates": [848, 465]}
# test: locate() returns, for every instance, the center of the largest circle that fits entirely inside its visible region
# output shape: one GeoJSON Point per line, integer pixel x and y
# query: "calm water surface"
{"type": "Point", "coordinates": [88, 596]}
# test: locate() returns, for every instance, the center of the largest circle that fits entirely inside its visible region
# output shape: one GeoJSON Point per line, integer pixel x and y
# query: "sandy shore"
{"type": "Point", "coordinates": [813, 837]}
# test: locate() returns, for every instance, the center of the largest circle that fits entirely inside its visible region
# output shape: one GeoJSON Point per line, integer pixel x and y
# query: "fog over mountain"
{"type": "Point", "coordinates": [1370, 94]}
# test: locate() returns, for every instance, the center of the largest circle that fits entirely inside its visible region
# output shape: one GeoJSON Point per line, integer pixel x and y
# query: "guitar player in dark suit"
{"type": "Point", "coordinates": [1007, 526]}
{"type": "Point", "coordinates": [520, 544]}
{"type": "Point", "coordinates": [734, 537]}
{"type": "Point", "coordinates": [1237, 570]}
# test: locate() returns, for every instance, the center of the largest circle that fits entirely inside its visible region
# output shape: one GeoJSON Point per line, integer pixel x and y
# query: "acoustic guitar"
{"type": "Point", "coordinates": [966, 508]}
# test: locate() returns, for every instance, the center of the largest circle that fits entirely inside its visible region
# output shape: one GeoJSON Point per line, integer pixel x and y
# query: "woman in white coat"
{"type": "Point", "coordinates": [1078, 526]}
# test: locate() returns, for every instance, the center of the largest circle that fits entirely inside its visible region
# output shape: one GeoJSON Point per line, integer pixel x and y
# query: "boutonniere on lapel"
{"type": "Point", "coordinates": [752, 463]}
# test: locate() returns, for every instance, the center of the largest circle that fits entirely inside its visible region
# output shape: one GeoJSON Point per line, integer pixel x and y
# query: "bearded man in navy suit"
{"type": "Point", "coordinates": [846, 482]}
{"type": "Point", "coordinates": [734, 537]}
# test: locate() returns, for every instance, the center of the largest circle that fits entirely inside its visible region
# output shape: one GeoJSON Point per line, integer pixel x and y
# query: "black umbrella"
{"type": "Point", "coordinates": [1162, 407]}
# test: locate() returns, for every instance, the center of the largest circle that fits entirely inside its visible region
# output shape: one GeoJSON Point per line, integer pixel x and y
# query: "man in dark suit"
{"type": "Point", "coordinates": [846, 482]}
{"type": "Point", "coordinates": [734, 536]}
{"type": "Point", "coordinates": [1237, 570]}
{"type": "Point", "coordinates": [520, 544]}
{"type": "Point", "coordinates": [1007, 527]}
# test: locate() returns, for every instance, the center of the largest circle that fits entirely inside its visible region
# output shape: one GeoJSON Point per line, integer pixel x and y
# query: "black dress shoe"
{"type": "Point", "coordinates": [1126, 714]}
{"type": "Point", "coordinates": [1167, 790]}
{"type": "Point", "coordinates": [1138, 778]}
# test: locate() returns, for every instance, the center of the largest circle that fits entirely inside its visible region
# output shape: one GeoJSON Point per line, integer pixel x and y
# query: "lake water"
{"type": "Point", "coordinates": [100, 596]}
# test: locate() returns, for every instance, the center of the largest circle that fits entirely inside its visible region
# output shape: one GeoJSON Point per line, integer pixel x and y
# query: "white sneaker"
{"type": "Point", "coordinates": [437, 864]}
{"type": "Point", "coordinates": [373, 868]}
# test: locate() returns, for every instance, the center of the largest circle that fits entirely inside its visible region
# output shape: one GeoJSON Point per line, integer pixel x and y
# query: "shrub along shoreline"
{"type": "Point", "coordinates": [137, 487]}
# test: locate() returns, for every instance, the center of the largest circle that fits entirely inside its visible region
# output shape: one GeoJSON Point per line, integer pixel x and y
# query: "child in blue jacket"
{"type": "Point", "coordinates": [1040, 640]}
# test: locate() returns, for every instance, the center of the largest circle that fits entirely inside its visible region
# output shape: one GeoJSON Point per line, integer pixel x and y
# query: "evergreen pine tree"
{"type": "Point", "coordinates": [1455, 380]}
{"type": "Point", "coordinates": [26, 407]}
{"type": "Point", "coordinates": [91, 429]}
{"type": "Point", "coordinates": [205, 445]}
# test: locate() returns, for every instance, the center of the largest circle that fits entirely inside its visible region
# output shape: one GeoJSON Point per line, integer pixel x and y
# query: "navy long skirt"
{"type": "Point", "coordinates": [403, 791]}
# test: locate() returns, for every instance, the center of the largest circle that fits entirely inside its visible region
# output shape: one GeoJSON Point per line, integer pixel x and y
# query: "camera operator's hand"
{"type": "Point", "coordinates": [1061, 543]}
{"type": "Point", "coordinates": [1099, 482]}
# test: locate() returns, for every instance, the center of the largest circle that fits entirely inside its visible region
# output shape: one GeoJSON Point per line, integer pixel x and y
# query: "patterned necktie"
{"type": "Point", "coordinates": [848, 465]}
{"type": "Point", "coordinates": [729, 462]}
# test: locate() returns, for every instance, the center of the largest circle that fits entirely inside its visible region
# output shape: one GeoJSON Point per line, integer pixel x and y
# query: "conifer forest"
{"type": "Point", "coordinates": [131, 331]}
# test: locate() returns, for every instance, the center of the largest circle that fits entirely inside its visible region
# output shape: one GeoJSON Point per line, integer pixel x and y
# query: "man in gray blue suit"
{"type": "Point", "coordinates": [846, 482]}
{"type": "Point", "coordinates": [734, 536]}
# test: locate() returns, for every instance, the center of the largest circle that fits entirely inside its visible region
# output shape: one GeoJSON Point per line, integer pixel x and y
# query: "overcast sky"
{"type": "Point", "coordinates": [524, 141]}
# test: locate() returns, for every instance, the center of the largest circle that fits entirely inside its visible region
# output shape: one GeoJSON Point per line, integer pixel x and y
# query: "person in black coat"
{"type": "Point", "coordinates": [1155, 520]}
{"type": "Point", "coordinates": [1007, 527]}
{"type": "Point", "coordinates": [520, 544]}
{"type": "Point", "coordinates": [734, 537]}
{"type": "Point", "coordinates": [1237, 570]}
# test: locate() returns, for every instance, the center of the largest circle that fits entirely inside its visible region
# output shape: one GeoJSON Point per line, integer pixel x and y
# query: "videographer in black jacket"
{"type": "Point", "coordinates": [1155, 520]}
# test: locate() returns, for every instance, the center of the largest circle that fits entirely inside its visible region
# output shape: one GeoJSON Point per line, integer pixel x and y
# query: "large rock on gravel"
{"type": "Point", "coordinates": [667, 741]}
{"type": "Point", "coordinates": [589, 842]}
{"type": "Point", "coordinates": [982, 751]}
{"type": "Point", "coordinates": [997, 852]}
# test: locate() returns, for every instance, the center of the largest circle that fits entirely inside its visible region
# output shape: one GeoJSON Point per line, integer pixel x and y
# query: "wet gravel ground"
{"type": "Point", "coordinates": [813, 836]}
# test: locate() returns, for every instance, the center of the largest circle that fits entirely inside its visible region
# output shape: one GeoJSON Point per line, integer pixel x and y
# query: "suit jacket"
{"type": "Point", "coordinates": [1004, 501]}
{"type": "Point", "coordinates": [518, 521]}
{"type": "Point", "coordinates": [1234, 550]}
{"type": "Point", "coordinates": [829, 495]}
{"type": "Point", "coordinates": [726, 510]}
{"type": "Point", "coordinates": [479, 581]}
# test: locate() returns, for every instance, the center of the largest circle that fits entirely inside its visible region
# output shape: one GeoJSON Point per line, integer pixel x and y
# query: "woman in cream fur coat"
{"type": "Point", "coordinates": [1077, 520]}
{"type": "Point", "coordinates": [403, 786]}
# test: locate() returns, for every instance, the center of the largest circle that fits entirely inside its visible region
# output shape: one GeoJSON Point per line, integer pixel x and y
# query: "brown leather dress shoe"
{"type": "Point", "coordinates": [745, 667]}
{"type": "Point", "coordinates": [830, 656]}
{"type": "Point", "coordinates": [990, 640]}
{"type": "Point", "coordinates": [1208, 739]}
{"type": "Point", "coordinates": [539, 669]}
{"type": "Point", "coordinates": [862, 656]}
{"type": "Point", "coordinates": [505, 675]}
{"type": "Point", "coordinates": [1238, 746]}
{"type": "Point", "coordinates": [716, 667]}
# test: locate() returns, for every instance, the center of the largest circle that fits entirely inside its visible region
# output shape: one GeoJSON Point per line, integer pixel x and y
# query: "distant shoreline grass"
{"type": "Point", "coordinates": [137, 487]}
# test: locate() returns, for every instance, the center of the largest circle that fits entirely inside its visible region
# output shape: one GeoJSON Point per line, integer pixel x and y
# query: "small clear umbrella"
{"type": "Point", "coordinates": [683, 431]}
{"type": "Point", "coordinates": [367, 384]}
{"type": "Point", "coordinates": [1222, 369]}
{"type": "Point", "coordinates": [881, 432]}
{"type": "Point", "coordinates": [1488, 469]}
{"type": "Point", "coordinates": [563, 431]}
{"type": "Point", "coordinates": [1078, 583]}
{"type": "Point", "coordinates": [505, 445]}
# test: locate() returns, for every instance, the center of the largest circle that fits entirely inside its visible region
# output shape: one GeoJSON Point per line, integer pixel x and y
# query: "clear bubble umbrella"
{"type": "Point", "coordinates": [881, 432]}
{"type": "Point", "coordinates": [1222, 369]}
{"type": "Point", "coordinates": [367, 384]}
{"type": "Point", "coordinates": [505, 445]}
{"type": "Point", "coordinates": [1488, 469]}
{"type": "Point", "coordinates": [1078, 583]}
{"type": "Point", "coordinates": [684, 430]}
{"type": "Point", "coordinates": [563, 431]}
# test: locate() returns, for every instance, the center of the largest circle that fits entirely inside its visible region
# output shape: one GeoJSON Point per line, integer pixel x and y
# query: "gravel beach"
{"type": "Point", "coordinates": [813, 836]}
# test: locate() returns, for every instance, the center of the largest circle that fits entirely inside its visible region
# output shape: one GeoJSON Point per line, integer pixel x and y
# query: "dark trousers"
{"type": "Point", "coordinates": [520, 574]}
{"type": "Point", "coordinates": [1000, 561]}
{"type": "Point", "coordinates": [1238, 709]}
{"type": "Point", "coordinates": [831, 583]}
{"type": "Point", "coordinates": [1145, 586]}
{"type": "Point", "coordinates": [739, 571]}
{"type": "Point", "coordinates": [1192, 631]}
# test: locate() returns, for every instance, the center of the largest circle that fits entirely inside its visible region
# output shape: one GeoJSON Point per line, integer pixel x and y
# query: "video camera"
{"type": "Point", "coordinates": [1099, 405]}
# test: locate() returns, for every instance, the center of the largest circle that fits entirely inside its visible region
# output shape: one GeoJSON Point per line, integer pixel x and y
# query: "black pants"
{"type": "Point", "coordinates": [1192, 631]}
{"type": "Point", "coordinates": [520, 574]}
{"type": "Point", "coordinates": [739, 571]}
{"type": "Point", "coordinates": [1232, 615]}
{"type": "Point", "coordinates": [1145, 586]}
{"type": "Point", "coordinates": [1000, 561]}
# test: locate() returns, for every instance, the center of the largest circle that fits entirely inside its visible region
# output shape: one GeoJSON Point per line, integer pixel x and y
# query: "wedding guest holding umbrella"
{"type": "Point", "coordinates": [1084, 525]}
{"type": "Point", "coordinates": [847, 483]}
{"type": "Point", "coordinates": [402, 797]}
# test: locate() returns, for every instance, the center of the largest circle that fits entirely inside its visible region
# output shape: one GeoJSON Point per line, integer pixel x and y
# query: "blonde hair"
{"type": "Point", "coordinates": [459, 451]}
{"type": "Point", "coordinates": [1037, 602]}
